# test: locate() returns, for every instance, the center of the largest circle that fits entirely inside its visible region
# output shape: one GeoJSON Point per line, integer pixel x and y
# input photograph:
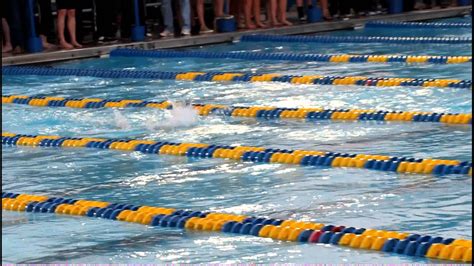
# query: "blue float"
{"type": "Point", "coordinates": [226, 24]}
{"type": "Point", "coordinates": [33, 43]}
{"type": "Point", "coordinates": [138, 31]}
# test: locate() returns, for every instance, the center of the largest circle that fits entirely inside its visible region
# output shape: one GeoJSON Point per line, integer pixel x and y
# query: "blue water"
{"type": "Point", "coordinates": [410, 203]}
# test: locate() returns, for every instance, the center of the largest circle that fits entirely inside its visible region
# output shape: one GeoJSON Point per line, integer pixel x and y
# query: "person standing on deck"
{"type": "Point", "coordinates": [252, 13]}
{"type": "Point", "coordinates": [67, 8]}
{"type": "Point", "coordinates": [199, 9]}
{"type": "Point", "coordinates": [167, 12]}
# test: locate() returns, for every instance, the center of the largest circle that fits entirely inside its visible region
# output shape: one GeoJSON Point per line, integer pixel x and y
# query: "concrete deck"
{"type": "Point", "coordinates": [98, 51]}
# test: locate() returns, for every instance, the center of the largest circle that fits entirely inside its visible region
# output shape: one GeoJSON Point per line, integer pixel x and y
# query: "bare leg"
{"type": "Point", "coordinates": [61, 25]}
{"type": "Point", "coordinates": [6, 37]}
{"type": "Point", "coordinates": [282, 12]}
{"type": "Point", "coordinates": [236, 11]}
{"type": "Point", "coordinates": [200, 13]}
{"type": "Point", "coordinates": [272, 12]}
{"type": "Point", "coordinates": [256, 7]}
{"type": "Point", "coordinates": [218, 8]}
{"type": "Point", "coordinates": [248, 6]}
{"type": "Point", "coordinates": [45, 42]}
{"type": "Point", "coordinates": [71, 26]}
{"type": "Point", "coordinates": [325, 8]}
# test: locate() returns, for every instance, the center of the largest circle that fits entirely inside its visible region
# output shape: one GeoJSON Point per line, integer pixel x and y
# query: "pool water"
{"type": "Point", "coordinates": [422, 204]}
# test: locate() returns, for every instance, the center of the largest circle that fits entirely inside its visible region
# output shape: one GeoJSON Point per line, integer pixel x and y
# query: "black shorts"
{"type": "Point", "coordinates": [4, 9]}
{"type": "Point", "coordinates": [66, 4]}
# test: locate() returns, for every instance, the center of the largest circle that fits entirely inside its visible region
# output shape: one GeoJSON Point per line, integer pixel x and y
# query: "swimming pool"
{"type": "Point", "coordinates": [357, 197]}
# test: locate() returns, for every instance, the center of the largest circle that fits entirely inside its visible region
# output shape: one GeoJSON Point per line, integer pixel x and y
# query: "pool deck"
{"type": "Point", "coordinates": [104, 50]}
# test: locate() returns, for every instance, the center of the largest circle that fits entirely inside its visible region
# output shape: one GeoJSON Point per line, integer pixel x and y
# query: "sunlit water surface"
{"type": "Point", "coordinates": [410, 203]}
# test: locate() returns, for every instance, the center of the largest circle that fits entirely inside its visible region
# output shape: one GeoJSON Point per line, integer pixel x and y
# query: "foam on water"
{"type": "Point", "coordinates": [182, 115]}
{"type": "Point", "coordinates": [425, 204]}
{"type": "Point", "coordinates": [121, 121]}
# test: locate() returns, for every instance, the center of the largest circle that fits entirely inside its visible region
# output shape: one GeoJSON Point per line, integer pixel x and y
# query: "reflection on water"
{"type": "Point", "coordinates": [353, 197]}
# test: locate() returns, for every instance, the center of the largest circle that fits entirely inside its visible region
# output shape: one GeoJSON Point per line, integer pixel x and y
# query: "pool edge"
{"type": "Point", "coordinates": [100, 51]}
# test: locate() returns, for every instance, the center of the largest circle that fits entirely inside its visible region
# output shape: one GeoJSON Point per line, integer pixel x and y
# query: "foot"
{"type": "Point", "coordinates": [186, 32]}
{"type": "Point", "coordinates": [274, 23]}
{"type": "Point", "coordinates": [250, 26]}
{"type": "Point", "coordinates": [7, 48]}
{"type": "Point", "coordinates": [17, 50]}
{"type": "Point", "coordinates": [166, 33]}
{"type": "Point", "coordinates": [261, 25]}
{"type": "Point", "coordinates": [286, 23]}
{"type": "Point", "coordinates": [65, 45]}
{"type": "Point", "coordinates": [76, 45]}
{"type": "Point", "coordinates": [47, 45]}
{"type": "Point", "coordinates": [327, 15]}
{"type": "Point", "coordinates": [205, 30]}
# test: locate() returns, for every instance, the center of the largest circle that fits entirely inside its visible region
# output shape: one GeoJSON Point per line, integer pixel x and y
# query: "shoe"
{"type": "Point", "coordinates": [101, 39]}
{"type": "Point", "coordinates": [110, 40]}
{"type": "Point", "coordinates": [165, 33]}
{"type": "Point", "coordinates": [303, 19]}
{"type": "Point", "coordinates": [186, 32]}
{"type": "Point", "coordinates": [206, 31]}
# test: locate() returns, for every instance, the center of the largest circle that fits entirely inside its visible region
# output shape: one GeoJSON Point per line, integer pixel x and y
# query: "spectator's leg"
{"type": "Point", "coordinates": [167, 12]}
{"type": "Point", "coordinates": [325, 7]}
{"type": "Point", "coordinates": [108, 13]}
{"type": "Point", "coordinates": [126, 18]}
{"type": "Point", "coordinates": [248, 6]}
{"type": "Point", "coordinates": [218, 8]}
{"type": "Point", "coordinates": [16, 22]}
{"type": "Point", "coordinates": [300, 9]}
{"type": "Point", "coordinates": [100, 10]}
{"type": "Point", "coordinates": [7, 47]}
{"type": "Point", "coordinates": [257, 14]}
{"type": "Point", "coordinates": [282, 5]}
{"type": "Point", "coordinates": [186, 16]}
{"type": "Point", "coordinates": [236, 7]}
{"type": "Point", "coordinates": [61, 27]}
{"type": "Point", "coordinates": [200, 14]}
{"type": "Point", "coordinates": [334, 7]}
{"type": "Point", "coordinates": [272, 8]}
{"type": "Point", "coordinates": [71, 26]}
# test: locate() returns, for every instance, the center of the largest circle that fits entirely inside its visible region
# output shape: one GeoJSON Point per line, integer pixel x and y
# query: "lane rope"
{"type": "Point", "coordinates": [408, 244]}
{"type": "Point", "coordinates": [239, 77]}
{"type": "Point", "coordinates": [267, 112]}
{"type": "Point", "coordinates": [393, 24]}
{"type": "Point", "coordinates": [354, 39]}
{"type": "Point", "coordinates": [251, 154]}
{"type": "Point", "coordinates": [335, 58]}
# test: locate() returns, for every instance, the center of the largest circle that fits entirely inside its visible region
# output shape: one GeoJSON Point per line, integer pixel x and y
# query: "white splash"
{"type": "Point", "coordinates": [120, 120]}
{"type": "Point", "coordinates": [183, 114]}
